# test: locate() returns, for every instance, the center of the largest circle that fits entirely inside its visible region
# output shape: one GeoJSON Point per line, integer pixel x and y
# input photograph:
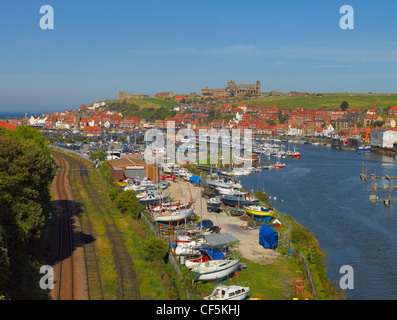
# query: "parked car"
{"type": "Point", "coordinates": [206, 224]}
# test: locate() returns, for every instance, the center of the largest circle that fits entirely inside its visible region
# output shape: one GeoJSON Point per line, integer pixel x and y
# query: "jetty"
{"type": "Point", "coordinates": [374, 198]}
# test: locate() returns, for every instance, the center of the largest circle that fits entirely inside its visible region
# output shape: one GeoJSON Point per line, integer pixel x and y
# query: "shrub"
{"type": "Point", "coordinates": [154, 249]}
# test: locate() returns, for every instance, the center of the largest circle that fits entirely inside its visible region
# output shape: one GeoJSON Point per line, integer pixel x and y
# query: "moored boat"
{"type": "Point", "coordinates": [279, 165]}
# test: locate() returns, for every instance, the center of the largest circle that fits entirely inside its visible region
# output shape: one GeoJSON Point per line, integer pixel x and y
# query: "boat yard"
{"type": "Point", "coordinates": [249, 246]}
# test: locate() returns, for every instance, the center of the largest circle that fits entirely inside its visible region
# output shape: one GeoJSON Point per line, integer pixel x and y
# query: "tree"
{"type": "Point", "coordinates": [98, 154]}
{"type": "Point", "coordinates": [154, 249]}
{"type": "Point", "coordinates": [127, 201]}
{"type": "Point", "coordinates": [344, 106]}
{"type": "Point", "coordinates": [26, 172]}
{"type": "Point", "coordinates": [283, 118]}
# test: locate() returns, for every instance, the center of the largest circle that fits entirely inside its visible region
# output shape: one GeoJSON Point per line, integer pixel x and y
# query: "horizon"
{"type": "Point", "coordinates": [95, 51]}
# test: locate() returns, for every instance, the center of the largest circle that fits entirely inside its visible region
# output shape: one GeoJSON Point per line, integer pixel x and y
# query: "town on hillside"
{"type": "Point", "coordinates": [228, 108]}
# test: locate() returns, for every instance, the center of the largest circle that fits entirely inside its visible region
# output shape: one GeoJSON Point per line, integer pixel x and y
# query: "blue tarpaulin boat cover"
{"type": "Point", "coordinates": [268, 238]}
{"type": "Point", "coordinates": [194, 179]}
{"type": "Point", "coordinates": [213, 253]}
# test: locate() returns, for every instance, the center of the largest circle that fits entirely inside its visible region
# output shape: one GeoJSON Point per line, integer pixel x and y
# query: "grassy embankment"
{"type": "Point", "coordinates": [155, 277]}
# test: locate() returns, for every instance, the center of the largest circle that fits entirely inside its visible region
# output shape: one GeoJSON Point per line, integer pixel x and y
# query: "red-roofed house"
{"type": "Point", "coordinates": [94, 131]}
{"type": "Point", "coordinates": [392, 111]}
{"type": "Point", "coordinates": [7, 126]}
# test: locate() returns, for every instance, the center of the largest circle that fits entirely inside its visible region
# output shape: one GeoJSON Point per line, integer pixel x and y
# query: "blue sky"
{"type": "Point", "coordinates": [101, 47]}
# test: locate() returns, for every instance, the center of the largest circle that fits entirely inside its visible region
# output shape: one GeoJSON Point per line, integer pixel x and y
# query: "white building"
{"type": "Point", "coordinates": [383, 138]}
{"type": "Point", "coordinates": [328, 130]}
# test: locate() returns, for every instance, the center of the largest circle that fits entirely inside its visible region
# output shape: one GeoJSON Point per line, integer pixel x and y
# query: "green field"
{"type": "Point", "coordinates": [146, 103]}
{"type": "Point", "coordinates": [157, 109]}
{"type": "Point", "coordinates": [328, 101]}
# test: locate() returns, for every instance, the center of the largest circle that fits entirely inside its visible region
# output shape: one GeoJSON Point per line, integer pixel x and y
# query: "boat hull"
{"type": "Point", "coordinates": [215, 273]}
{"type": "Point", "coordinates": [263, 216]}
{"type": "Point", "coordinates": [235, 202]}
{"type": "Point", "coordinates": [176, 216]}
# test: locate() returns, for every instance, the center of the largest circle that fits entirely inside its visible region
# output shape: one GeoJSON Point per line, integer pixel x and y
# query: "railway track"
{"type": "Point", "coordinates": [94, 283]}
{"type": "Point", "coordinates": [64, 281]}
{"type": "Point", "coordinates": [127, 284]}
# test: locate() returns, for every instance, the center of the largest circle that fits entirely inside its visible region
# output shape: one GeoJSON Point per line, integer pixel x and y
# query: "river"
{"type": "Point", "coordinates": [323, 192]}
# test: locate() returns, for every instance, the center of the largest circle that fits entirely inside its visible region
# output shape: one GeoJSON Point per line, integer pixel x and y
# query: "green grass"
{"type": "Point", "coordinates": [328, 101]}
{"type": "Point", "coordinates": [157, 109]}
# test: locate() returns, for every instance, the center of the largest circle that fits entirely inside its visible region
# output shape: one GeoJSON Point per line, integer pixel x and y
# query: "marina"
{"type": "Point", "coordinates": [330, 200]}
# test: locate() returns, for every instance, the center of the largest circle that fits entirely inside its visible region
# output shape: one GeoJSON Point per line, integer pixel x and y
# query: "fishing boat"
{"type": "Point", "coordinates": [234, 201]}
{"type": "Point", "coordinates": [279, 165]}
{"type": "Point", "coordinates": [215, 269]}
{"type": "Point", "coordinates": [296, 154]}
{"type": "Point", "coordinates": [170, 216]}
{"type": "Point", "coordinates": [233, 292]}
{"type": "Point", "coordinates": [364, 147]}
{"type": "Point", "coordinates": [213, 204]}
{"type": "Point", "coordinates": [259, 213]}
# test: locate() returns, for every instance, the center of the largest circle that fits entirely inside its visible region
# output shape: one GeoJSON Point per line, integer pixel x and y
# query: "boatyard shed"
{"type": "Point", "coordinates": [383, 138]}
{"type": "Point", "coordinates": [132, 168]}
{"type": "Point", "coordinates": [220, 239]}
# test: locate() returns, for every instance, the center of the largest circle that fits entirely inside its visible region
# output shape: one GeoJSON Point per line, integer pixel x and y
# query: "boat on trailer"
{"type": "Point", "coordinates": [215, 269]}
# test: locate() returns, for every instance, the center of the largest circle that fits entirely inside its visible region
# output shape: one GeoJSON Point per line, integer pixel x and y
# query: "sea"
{"type": "Point", "coordinates": [323, 192]}
{"type": "Point", "coordinates": [18, 115]}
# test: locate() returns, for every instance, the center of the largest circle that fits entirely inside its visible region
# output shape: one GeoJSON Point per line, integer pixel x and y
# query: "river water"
{"type": "Point", "coordinates": [323, 192]}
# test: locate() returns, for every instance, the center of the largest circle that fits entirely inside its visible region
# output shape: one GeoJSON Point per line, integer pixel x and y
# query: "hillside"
{"type": "Point", "coordinates": [328, 101]}
{"type": "Point", "coordinates": [158, 109]}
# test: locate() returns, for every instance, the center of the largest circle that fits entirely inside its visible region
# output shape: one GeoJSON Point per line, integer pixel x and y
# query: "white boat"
{"type": "Point", "coordinates": [239, 172]}
{"type": "Point", "coordinates": [232, 292]}
{"type": "Point", "coordinates": [196, 260]}
{"type": "Point", "coordinates": [171, 206]}
{"type": "Point", "coordinates": [172, 215]}
{"type": "Point", "coordinates": [213, 204]}
{"type": "Point", "coordinates": [226, 189]}
{"type": "Point", "coordinates": [189, 248]}
{"type": "Point", "coordinates": [151, 198]}
{"type": "Point", "coordinates": [222, 183]}
{"type": "Point", "coordinates": [215, 269]}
